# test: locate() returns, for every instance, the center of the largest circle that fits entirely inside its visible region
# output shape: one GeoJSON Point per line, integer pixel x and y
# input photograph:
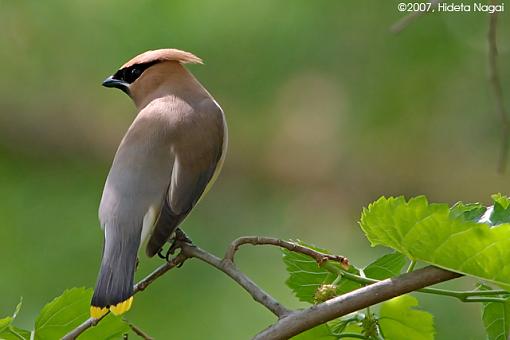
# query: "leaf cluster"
{"type": "Point", "coordinates": [467, 238]}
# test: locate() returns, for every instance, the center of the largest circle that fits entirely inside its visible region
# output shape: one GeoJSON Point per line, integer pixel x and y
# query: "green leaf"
{"type": "Point", "coordinates": [399, 321]}
{"type": "Point", "coordinates": [349, 324]}
{"type": "Point", "coordinates": [5, 323]}
{"type": "Point", "coordinates": [320, 332]}
{"type": "Point", "coordinates": [306, 275]}
{"type": "Point", "coordinates": [387, 266]}
{"type": "Point", "coordinates": [69, 310]}
{"type": "Point", "coordinates": [496, 318]}
{"type": "Point", "coordinates": [15, 333]}
{"type": "Point", "coordinates": [337, 326]}
{"type": "Point", "coordinates": [429, 232]}
{"type": "Point", "coordinates": [503, 201]}
{"type": "Point", "coordinates": [501, 211]}
{"type": "Point", "coordinates": [470, 211]}
{"type": "Point", "coordinates": [345, 285]}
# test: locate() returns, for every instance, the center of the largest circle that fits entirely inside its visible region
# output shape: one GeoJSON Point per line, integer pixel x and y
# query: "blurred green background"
{"type": "Point", "coordinates": [326, 109]}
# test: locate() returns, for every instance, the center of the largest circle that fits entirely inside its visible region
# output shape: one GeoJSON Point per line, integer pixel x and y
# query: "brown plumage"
{"type": "Point", "coordinates": [170, 154]}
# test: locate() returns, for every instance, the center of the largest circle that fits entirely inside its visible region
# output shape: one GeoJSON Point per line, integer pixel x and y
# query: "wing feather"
{"type": "Point", "coordinates": [196, 164]}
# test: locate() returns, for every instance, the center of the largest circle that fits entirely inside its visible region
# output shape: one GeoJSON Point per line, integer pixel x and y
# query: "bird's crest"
{"type": "Point", "coordinates": [165, 54]}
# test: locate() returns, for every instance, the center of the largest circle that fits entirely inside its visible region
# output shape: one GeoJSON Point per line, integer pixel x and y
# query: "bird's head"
{"type": "Point", "coordinates": [145, 72]}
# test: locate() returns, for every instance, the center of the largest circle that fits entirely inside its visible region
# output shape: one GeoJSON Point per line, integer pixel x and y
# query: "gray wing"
{"type": "Point", "coordinates": [197, 158]}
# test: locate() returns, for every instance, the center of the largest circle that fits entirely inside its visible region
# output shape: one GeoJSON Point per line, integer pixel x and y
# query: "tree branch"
{"type": "Point", "coordinates": [302, 320]}
{"type": "Point", "coordinates": [498, 91]}
{"type": "Point", "coordinates": [191, 251]}
{"type": "Point", "coordinates": [259, 240]}
{"type": "Point", "coordinates": [140, 286]}
{"type": "Point", "coordinates": [229, 268]}
{"type": "Point", "coordinates": [139, 332]}
{"type": "Point", "coordinates": [493, 295]}
{"type": "Point", "coordinates": [291, 322]}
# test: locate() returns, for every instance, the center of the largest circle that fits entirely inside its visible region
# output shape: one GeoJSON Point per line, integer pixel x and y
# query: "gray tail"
{"type": "Point", "coordinates": [115, 281]}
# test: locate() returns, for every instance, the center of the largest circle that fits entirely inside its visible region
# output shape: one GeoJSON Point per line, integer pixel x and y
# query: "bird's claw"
{"type": "Point", "coordinates": [176, 242]}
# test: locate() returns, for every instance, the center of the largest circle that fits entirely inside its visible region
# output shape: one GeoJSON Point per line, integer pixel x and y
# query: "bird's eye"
{"type": "Point", "coordinates": [131, 74]}
{"type": "Point", "coordinates": [135, 73]}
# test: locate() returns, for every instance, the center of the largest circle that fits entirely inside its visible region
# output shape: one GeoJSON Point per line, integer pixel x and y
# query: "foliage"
{"type": "Point", "coordinates": [399, 320]}
{"type": "Point", "coordinates": [8, 331]}
{"type": "Point", "coordinates": [467, 238]}
{"type": "Point", "coordinates": [430, 232]}
{"type": "Point", "coordinates": [62, 315]}
{"type": "Point", "coordinates": [306, 276]}
{"type": "Point", "coordinates": [496, 318]}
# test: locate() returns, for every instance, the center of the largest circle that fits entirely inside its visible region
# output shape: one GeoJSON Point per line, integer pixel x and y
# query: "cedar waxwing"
{"type": "Point", "coordinates": [169, 157]}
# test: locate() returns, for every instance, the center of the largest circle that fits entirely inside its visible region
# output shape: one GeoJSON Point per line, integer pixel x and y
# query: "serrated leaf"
{"type": "Point", "coordinates": [399, 321]}
{"type": "Point", "coordinates": [470, 211]}
{"type": "Point", "coordinates": [429, 233]}
{"type": "Point", "coordinates": [348, 324]}
{"type": "Point", "coordinates": [14, 333]}
{"type": "Point", "coordinates": [499, 214]}
{"type": "Point", "coordinates": [69, 310]}
{"type": "Point", "coordinates": [387, 266]}
{"type": "Point", "coordinates": [320, 332]}
{"type": "Point", "coordinates": [502, 200]}
{"type": "Point", "coordinates": [496, 318]}
{"type": "Point", "coordinates": [305, 275]}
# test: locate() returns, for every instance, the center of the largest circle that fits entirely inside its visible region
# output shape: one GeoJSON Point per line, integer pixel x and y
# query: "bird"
{"type": "Point", "coordinates": [168, 159]}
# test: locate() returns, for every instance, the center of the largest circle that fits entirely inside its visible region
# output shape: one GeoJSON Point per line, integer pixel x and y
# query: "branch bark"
{"type": "Point", "coordinates": [225, 265]}
{"type": "Point", "coordinates": [300, 321]}
{"type": "Point", "coordinates": [140, 286]}
{"type": "Point", "coordinates": [319, 257]}
{"type": "Point", "coordinates": [140, 332]}
{"type": "Point", "coordinates": [229, 268]}
{"type": "Point", "coordinates": [290, 322]}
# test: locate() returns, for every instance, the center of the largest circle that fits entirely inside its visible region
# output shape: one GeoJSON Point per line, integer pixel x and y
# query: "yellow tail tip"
{"type": "Point", "coordinates": [121, 307]}
{"type": "Point", "coordinates": [98, 312]}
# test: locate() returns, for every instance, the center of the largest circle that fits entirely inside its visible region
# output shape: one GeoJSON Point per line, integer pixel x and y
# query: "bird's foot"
{"type": "Point", "coordinates": [176, 242]}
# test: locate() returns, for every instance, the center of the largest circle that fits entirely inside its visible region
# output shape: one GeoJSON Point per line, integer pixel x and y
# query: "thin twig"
{"type": "Point", "coordinates": [140, 286]}
{"type": "Point", "coordinates": [401, 24]}
{"type": "Point", "coordinates": [377, 292]}
{"type": "Point", "coordinates": [498, 91]}
{"type": "Point", "coordinates": [302, 320]}
{"type": "Point", "coordinates": [259, 240]}
{"type": "Point", "coordinates": [175, 262]}
{"type": "Point", "coordinates": [190, 251]}
{"type": "Point", "coordinates": [139, 332]}
{"type": "Point", "coordinates": [229, 268]}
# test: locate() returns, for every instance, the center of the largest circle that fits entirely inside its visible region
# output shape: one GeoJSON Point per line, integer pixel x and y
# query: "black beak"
{"type": "Point", "coordinates": [119, 84]}
{"type": "Point", "coordinates": [112, 82]}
